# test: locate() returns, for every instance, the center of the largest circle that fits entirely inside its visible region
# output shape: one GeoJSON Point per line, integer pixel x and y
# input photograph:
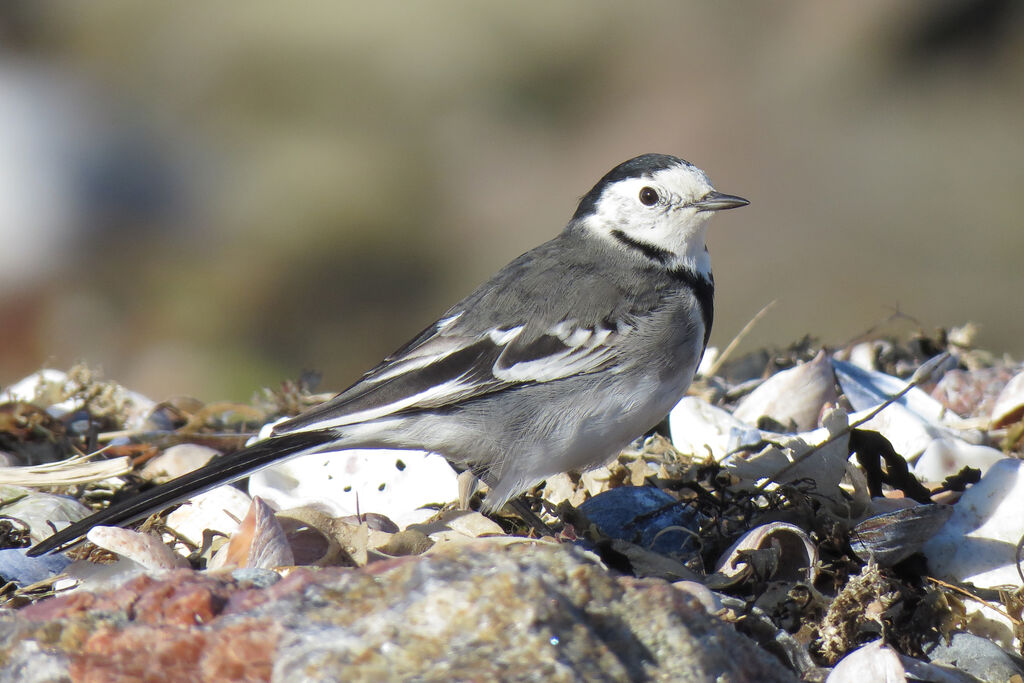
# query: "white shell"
{"type": "Point", "coordinates": [701, 429]}
{"type": "Point", "coordinates": [1009, 406]}
{"type": "Point", "coordinates": [464, 523]}
{"type": "Point", "coordinates": [872, 662]}
{"type": "Point", "coordinates": [866, 389]}
{"type": "Point", "coordinates": [220, 509]}
{"type": "Point", "coordinates": [146, 549]}
{"type": "Point", "coordinates": [38, 510]}
{"type": "Point", "coordinates": [826, 466]}
{"type": "Point", "coordinates": [946, 456]}
{"type": "Point", "coordinates": [911, 423]}
{"type": "Point", "coordinates": [978, 542]}
{"type": "Point", "coordinates": [799, 559]}
{"type": "Point", "coordinates": [176, 461]}
{"type": "Point", "coordinates": [863, 355]}
{"type": "Point", "coordinates": [360, 481]}
{"type": "Point", "coordinates": [908, 433]}
{"type": "Point", "coordinates": [795, 395]}
{"type": "Point", "coordinates": [259, 542]}
{"type": "Point", "coordinates": [978, 545]}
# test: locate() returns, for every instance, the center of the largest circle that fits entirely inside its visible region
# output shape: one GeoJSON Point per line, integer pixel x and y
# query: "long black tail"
{"type": "Point", "coordinates": [223, 470]}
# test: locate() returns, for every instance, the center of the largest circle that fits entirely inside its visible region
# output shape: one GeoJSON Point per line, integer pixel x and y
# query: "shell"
{"type": "Point", "coordinates": [219, 510]}
{"type": "Point", "coordinates": [347, 544]}
{"type": "Point", "coordinates": [978, 544]}
{"type": "Point", "coordinates": [397, 484]}
{"type": "Point", "coordinates": [826, 466]}
{"type": "Point", "coordinates": [176, 461]}
{"type": "Point", "coordinates": [260, 542]}
{"type": "Point", "coordinates": [464, 522]}
{"type": "Point", "coordinates": [866, 389]}
{"type": "Point", "coordinates": [23, 570]}
{"type": "Point", "coordinates": [48, 387]}
{"type": "Point", "coordinates": [946, 456]}
{"type": "Point", "coordinates": [146, 549]}
{"type": "Point", "coordinates": [798, 560]}
{"type": "Point", "coordinates": [702, 429]}
{"type": "Point", "coordinates": [894, 536]}
{"type": "Point", "coordinates": [1009, 406]}
{"type": "Point", "coordinates": [972, 393]}
{"type": "Point", "coordinates": [979, 541]}
{"type": "Point", "coordinates": [38, 510]}
{"type": "Point", "coordinates": [872, 662]}
{"type": "Point", "coordinates": [910, 424]}
{"type": "Point", "coordinates": [794, 396]}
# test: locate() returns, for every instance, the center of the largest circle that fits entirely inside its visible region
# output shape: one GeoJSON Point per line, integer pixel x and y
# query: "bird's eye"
{"type": "Point", "coordinates": [648, 196]}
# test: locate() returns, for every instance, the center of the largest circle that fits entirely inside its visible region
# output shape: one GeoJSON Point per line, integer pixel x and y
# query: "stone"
{"type": "Point", "coordinates": [525, 612]}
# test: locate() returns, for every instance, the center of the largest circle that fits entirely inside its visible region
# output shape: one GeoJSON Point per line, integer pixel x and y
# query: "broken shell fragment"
{"type": "Point", "coordinates": [219, 510]}
{"type": "Point", "coordinates": [797, 555]}
{"type": "Point", "coordinates": [701, 429]}
{"type": "Point", "coordinates": [795, 396]}
{"type": "Point", "coordinates": [22, 570]}
{"type": "Point", "coordinates": [894, 536]}
{"type": "Point", "coordinates": [819, 456]}
{"type": "Point", "coordinates": [60, 393]}
{"type": "Point", "coordinates": [911, 423]}
{"type": "Point", "coordinates": [176, 461]}
{"type": "Point", "coordinates": [311, 536]}
{"type": "Point", "coordinates": [1009, 406]}
{"type": "Point", "coordinates": [978, 544]}
{"type": "Point", "coordinates": [40, 512]}
{"type": "Point", "coordinates": [946, 456]}
{"type": "Point", "coordinates": [401, 485]}
{"type": "Point", "coordinates": [145, 549]}
{"type": "Point", "coordinates": [260, 542]}
{"type": "Point", "coordinates": [866, 389]}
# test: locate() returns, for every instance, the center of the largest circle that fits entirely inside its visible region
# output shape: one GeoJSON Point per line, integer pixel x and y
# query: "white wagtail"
{"type": "Point", "coordinates": [556, 363]}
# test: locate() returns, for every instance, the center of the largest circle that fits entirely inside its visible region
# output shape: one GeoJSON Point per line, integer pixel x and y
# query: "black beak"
{"type": "Point", "coordinates": [716, 201]}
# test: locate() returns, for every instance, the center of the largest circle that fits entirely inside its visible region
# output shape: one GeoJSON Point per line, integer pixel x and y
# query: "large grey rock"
{"type": "Point", "coordinates": [464, 612]}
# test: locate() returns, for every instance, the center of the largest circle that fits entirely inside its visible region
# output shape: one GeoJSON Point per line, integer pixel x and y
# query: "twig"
{"type": "Point", "coordinates": [921, 375]}
{"type": "Point", "coordinates": [871, 332]}
{"type": "Point", "coordinates": [977, 598]}
{"type": "Point", "coordinates": [724, 355]}
{"type": "Point", "coordinates": [155, 434]}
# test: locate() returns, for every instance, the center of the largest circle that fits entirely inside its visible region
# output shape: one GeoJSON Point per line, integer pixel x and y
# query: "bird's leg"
{"type": "Point", "coordinates": [522, 508]}
{"type": "Point", "coordinates": [518, 505]}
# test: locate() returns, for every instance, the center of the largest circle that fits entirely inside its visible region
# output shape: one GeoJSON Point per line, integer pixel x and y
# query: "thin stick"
{"type": "Point", "coordinates": [724, 355]}
{"type": "Point", "coordinates": [922, 374]}
{"type": "Point", "coordinates": [972, 596]}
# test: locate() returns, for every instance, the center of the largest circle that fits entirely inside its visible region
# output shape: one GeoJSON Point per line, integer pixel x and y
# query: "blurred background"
{"type": "Point", "coordinates": [206, 198]}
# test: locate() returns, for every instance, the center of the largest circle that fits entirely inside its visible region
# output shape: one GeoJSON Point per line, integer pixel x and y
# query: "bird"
{"type": "Point", "coordinates": [556, 363]}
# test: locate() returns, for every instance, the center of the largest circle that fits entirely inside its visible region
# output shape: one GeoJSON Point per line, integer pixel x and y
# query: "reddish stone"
{"type": "Point", "coordinates": [196, 600]}
{"type": "Point", "coordinates": [59, 607]}
{"type": "Point", "coordinates": [139, 653]}
{"type": "Point", "coordinates": [241, 652]}
{"type": "Point", "coordinates": [123, 597]}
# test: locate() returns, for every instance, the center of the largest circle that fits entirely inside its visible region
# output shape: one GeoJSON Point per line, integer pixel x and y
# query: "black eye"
{"type": "Point", "coordinates": [648, 196]}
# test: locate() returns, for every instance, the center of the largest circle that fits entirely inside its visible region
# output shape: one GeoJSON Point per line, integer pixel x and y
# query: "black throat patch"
{"type": "Point", "coordinates": [649, 250]}
{"type": "Point", "coordinates": [703, 291]}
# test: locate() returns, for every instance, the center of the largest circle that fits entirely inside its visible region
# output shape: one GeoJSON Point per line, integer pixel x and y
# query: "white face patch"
{"type": "Point", "coordinates": [657, 210]}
